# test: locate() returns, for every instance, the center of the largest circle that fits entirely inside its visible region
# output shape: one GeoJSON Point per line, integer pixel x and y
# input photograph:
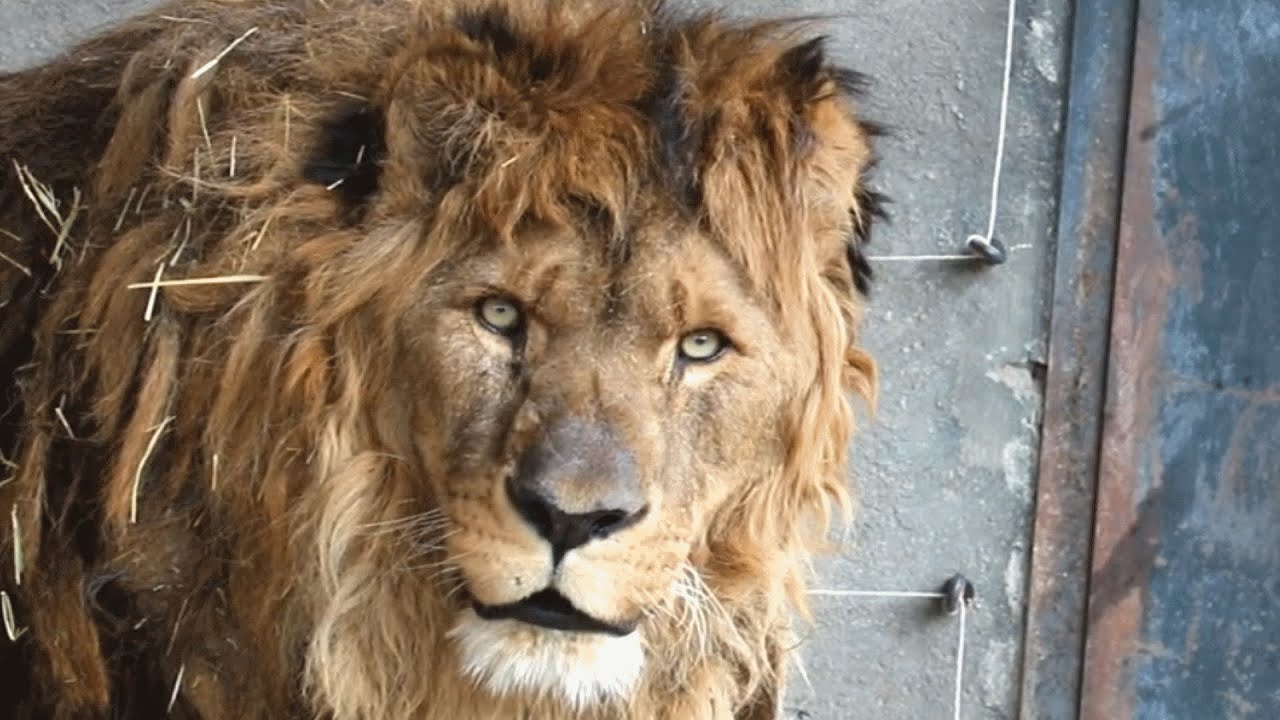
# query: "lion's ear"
{"type": "Point", "coordinates": [816, 87]}
{"type": "Point", "coordinates": [348, 154]}
{"type": "Point", "coordinates": [813, 82]}
{"type": "Point", "coordinates": [808, 74]}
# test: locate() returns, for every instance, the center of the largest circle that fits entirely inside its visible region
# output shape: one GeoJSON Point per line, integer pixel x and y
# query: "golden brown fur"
{"type": "Point", "coordinates": [271, 497]}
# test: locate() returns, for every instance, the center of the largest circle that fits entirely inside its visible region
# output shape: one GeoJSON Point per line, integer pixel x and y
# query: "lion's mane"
{"type": "Point", "coordinates": [191, 469]}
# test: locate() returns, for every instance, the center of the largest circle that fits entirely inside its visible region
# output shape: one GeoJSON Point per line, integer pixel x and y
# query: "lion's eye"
{"type": "Point", "coordinates": [499, 315]}
{"type": "Point", "coordinates": [703, 345]}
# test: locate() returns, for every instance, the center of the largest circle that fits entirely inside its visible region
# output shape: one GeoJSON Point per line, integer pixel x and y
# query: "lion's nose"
{"type": "Point", "coordinates": [576, 484]}
{"type": "Point", "coordinates": [566, 531]}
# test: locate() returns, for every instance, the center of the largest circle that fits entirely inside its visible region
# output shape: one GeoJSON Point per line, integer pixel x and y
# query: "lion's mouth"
{"type": "Point", "coordinates": [549, 609]}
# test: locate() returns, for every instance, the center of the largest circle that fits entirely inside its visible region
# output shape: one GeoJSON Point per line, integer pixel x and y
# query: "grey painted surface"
{"type": "Point", "coordinates": [944, 470]}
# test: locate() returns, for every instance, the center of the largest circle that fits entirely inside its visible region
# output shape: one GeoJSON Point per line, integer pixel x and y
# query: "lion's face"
{"type": "Point", "coordinates": [582, 416]}
{"type": "Point", "coordinates": [500, 366]}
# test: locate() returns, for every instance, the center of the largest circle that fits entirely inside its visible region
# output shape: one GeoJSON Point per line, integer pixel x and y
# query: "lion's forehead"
{"type": "Point", "coordinates": [638, 114]}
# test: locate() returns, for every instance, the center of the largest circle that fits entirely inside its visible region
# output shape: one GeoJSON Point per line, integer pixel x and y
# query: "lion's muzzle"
{"type": "Point", "coordinates": [576, 483]}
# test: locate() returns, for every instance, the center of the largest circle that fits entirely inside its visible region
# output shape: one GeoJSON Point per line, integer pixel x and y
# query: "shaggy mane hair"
{"type": "Point", "coordinates": [213, 219]}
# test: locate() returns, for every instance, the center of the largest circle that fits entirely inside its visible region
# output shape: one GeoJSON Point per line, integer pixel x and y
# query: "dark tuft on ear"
{"type": "Point", "coordinates": [349, 155]}
{"type": "Point", "coordinates": [874, 129]}
{"type": "Point", "coordinates": [807, 70]}
{"type": "Point", "coordinates": [851, 82]}
{"type": "Point", "coordinates": [804, 67]}
{"type": "Point", "coordinates": [871, 209]}
{"type": "Point", "coordinates": [804, 72]}
{"type": "Point", "coordinates": [860, 267]}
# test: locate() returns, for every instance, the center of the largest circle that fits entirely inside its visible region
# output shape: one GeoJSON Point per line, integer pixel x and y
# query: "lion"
{"type": "Point", "coordinates": [425, 359]}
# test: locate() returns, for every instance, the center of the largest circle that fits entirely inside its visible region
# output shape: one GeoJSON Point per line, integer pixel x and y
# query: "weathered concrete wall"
{"type": "Point", "coordinates": [945, 469]}
{"type": "Point", "coordinates": [31, 30]}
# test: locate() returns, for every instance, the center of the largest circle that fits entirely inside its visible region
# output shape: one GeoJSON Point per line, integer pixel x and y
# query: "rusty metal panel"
{"type": "Point", "coordinates": [1184, 606]}
{"type": "Point", "coordinates": [1092, 169]}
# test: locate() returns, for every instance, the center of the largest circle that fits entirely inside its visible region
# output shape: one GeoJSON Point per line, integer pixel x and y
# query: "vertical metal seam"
{"type": "Point", "coordinates": [1131, 41]}
{"type": "Point", "coordinates": [1072, 319]}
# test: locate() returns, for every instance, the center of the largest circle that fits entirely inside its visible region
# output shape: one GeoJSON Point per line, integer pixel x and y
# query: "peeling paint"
{"type": "Point", "coordinates": [994, 676]}
{"type": "Point", "coordinates": [1015, 579]}
{"type": "Point", "coordinates": [1016, 463]}
{"type": "Point", "coordinates": [1017, 377]}
{"type": "Point", "coordinates": [1044, 46]}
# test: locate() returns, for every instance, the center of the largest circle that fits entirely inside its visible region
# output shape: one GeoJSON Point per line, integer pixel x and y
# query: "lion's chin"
{"type": "Point", "coordinates": [509, 657]}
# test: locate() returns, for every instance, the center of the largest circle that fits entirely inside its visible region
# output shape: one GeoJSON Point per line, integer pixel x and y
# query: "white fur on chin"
{"type": "Point", "coordinates": [510, 657]}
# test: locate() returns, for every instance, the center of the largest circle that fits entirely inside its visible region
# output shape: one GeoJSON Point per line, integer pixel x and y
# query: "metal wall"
{"type": "Point", "coordinates": [1162, 418]}
{"type": "Point", "coordinates": [1184, 607]}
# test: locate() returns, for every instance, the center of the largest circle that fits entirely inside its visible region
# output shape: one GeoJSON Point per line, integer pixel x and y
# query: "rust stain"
{"type": "Point", "coordinates": [1127, 517]}
{"type": "Point", "coordinates": [1126, 567]}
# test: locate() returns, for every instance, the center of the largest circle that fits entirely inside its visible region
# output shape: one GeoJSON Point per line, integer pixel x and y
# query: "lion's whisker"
{"type": "Point", "coordinates": [459, 586]}
{"type": "Point", "coordinates": [396, 523]}
{"type": "Point", "coordinates": [436, 543]}
{"type": "Point", "coordinates": [432, 513]}
{"type": "Point", "coordinates": [447, 563]}
{"type": "Point", "coordinates": [699, 606]}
